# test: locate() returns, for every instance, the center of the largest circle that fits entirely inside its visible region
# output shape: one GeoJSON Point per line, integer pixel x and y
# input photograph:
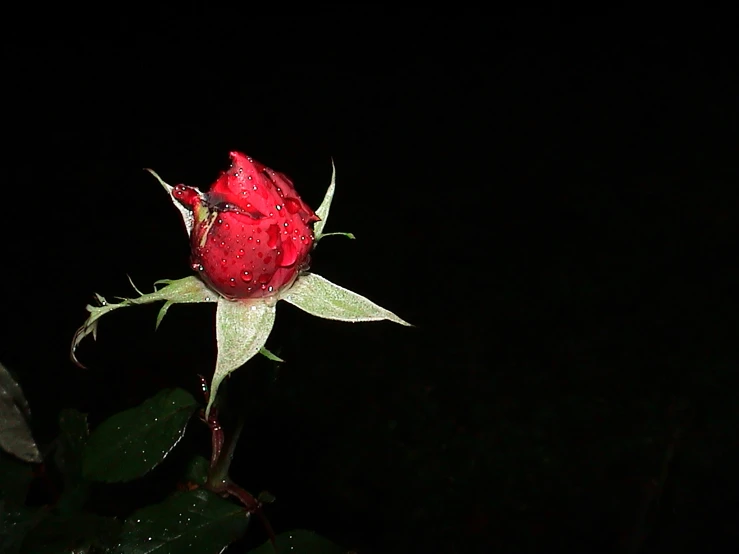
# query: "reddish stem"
{"type": "Point", "coordinates": [218, 480]}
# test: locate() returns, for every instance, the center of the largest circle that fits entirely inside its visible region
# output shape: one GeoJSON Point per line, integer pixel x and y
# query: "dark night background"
{"type": "Point", "coordinates": [549, 199]}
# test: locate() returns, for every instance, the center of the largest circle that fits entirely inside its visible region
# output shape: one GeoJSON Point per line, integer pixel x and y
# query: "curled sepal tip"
{"type": "Point", "coordinates": [181, 291]}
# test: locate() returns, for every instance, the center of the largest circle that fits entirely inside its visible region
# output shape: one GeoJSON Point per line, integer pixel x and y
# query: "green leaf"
{"type": "Point", "coordinates": [299, 541]}
{"type": "Point", "coordinates": [269, 355]}
{"type": "Point", "coordinates": [189, 290]}
{"type": "Point", "coordinates": [15, 524]}
{"type": "Point", "coordinates": [197, 470]}
{"type": "Point", "coordinates": [242, 328]}
{"type": "Point", "coordinates": [73, 434]}
{"type": "Point", "coordinates": [76, 533]}
{"type": "Point", "coordinates": [320, 297]}
{"type": "Point", "coordinates": [347, 235]}
{"type": "Point", "coordinates": [131, 443]}
{"type": "Point", "coordinates": [15, 431]}
{"type": "Point", "coordinates": [197, 522]}
{"type": "Point", "coordinates": [15, 478]}
{"type": "Point", "coordinates": [325, 206]}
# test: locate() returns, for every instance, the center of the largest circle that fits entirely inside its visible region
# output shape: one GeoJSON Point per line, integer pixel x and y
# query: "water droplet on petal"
{"type": "Point", "coordinates": [197, 267]}
{"type": "Point", "coordinates": [246, 276]}
{"type": "Point", "coordinates": [267, 260]}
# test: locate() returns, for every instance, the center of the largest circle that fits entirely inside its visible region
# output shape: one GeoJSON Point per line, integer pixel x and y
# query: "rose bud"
{"type": "Point", "coordinates": [252, 234]}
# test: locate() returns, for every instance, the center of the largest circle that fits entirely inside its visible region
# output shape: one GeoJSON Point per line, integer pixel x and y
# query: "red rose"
{"type": "Point", "coordinates": [252, 234]}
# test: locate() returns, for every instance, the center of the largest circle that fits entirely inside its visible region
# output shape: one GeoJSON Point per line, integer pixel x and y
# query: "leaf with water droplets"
{"type": "Point", "coordinates": [72, 533]}
{"type": "Point", "coordinates": [320, 297]}
{"type": "Point", "coordinates": [196, 471]}
{"type": "Point", "coordinates": [196, 522]}
{"type": "Point", "coordinates": [189, 290]}
{"type": "Point", "coordinates": [16, 523]}
{"type": "Point", "coordinates": [242, 328]}
{"type": "Point", "coordinates": [15, 430]}
{"type": "Point", "coordinates": [131, 443]}
{"type": "Point", "coordinates": [299, 541]}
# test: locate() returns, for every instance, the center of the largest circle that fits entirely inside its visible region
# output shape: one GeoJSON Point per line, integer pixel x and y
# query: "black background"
{"type": "Point", "coordinates": [549, 198]}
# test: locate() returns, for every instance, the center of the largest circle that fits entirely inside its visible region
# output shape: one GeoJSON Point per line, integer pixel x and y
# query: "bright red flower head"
{"type": "Point", "coordinates": [252, 233]}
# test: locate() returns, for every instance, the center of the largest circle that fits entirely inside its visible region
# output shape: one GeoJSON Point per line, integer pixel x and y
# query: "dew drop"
{"type": "Point", "coordinates": [197, 267]}
{"type": "Point", "coordinates": [267, 260]}
{"type": "Point", "coordinates": [264, 278]}
{"type": "Point", "coordinates": [278, 207]}
{"type": "Point", "coordinates": [260, 254]}
{"type": "Point", "coordinates": [246, 276]}
{"type": "Point", "coordinates": [232, 282]}
{"type": "Point", "coordinates": [223, 261]}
